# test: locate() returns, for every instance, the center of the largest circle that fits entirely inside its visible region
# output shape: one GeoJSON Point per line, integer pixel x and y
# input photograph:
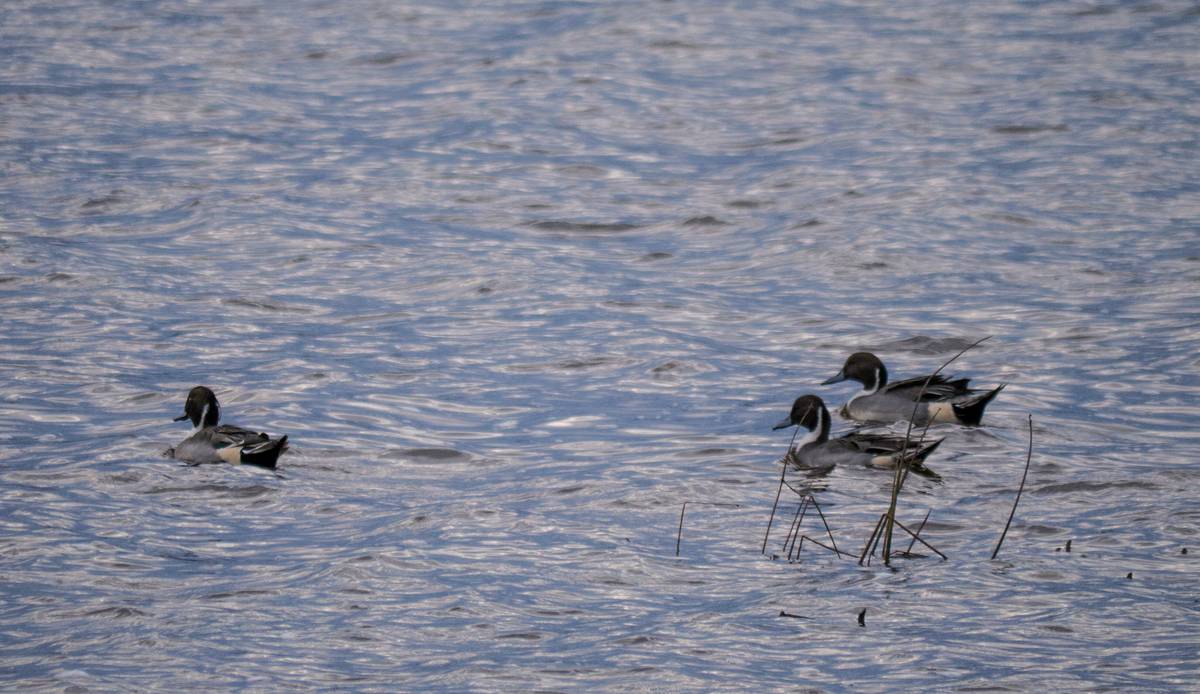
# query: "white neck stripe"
{"type": "Point", "coordinates": [867, 391]}
{"type": "Point", "coordinates": [812, 436]}
{"type": "Point", "coordinates": [877, 382]}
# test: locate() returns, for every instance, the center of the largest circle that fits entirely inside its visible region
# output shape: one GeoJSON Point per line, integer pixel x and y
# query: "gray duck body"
{"type": "Point", "coordinates": [922, 399]}
{"type": "Point", "coordinates": [816, 451]}
{"type": "Point", "coordinates": [222, 443]}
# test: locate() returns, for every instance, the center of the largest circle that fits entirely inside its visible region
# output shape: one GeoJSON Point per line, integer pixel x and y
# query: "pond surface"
{"type": "Point", "coordinates": [518, 279]}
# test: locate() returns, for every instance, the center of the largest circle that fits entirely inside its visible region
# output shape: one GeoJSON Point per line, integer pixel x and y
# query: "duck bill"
{"type": "Point", "coordinates": [784, 424]}
{"type": "Point", "coordinates": [841, 376]}
{"type": "Point", "coordinates": [180, 418]}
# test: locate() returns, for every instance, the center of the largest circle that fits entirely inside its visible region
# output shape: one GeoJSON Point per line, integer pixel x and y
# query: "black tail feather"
{"type": "Point", "coordinates": [264, 454]}
{"type": "Point", "coordinates": [971, 411]}
{"type": "Point", "coordinates": [915, 459]}
{"type": "Point", "coordinates": [918, 455]}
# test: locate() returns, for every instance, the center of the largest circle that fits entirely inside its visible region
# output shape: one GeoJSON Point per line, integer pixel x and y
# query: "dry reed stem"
{"type": "Point", "coordinates": [679, 533]}
{"type": "Point", "coordinates": [774, 506]}
{"type": "Point", "coordinates": [918, 538]}
{"type": "Point", "coordinates": [902, 469]}
{"type": "Point", "coordinates": [1013, 512]}
{"type": "Point", "coordinates": [868, 548]}
{"type": "Point", "coordinates": [794, 530]}
{"type": "Point", "coordinates": [919, 529]}
{"type": "Point", "coordinates": [782, 476]}
{"type": "Point", "coordinates": [835, 550]}
{"type": "Point", "coordinates": [826, 524]}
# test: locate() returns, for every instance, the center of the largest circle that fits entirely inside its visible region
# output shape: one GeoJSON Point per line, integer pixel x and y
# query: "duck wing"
{"type": "Point", "coordinates": [876, 444]}
{"type": "Point", "coordinates": [226, 435]}
{"type": "Point", "coordinates": [939, 388]}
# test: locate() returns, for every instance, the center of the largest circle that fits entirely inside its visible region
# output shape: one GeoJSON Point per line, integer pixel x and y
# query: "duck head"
{"type": "Point", "coordinates": [809, 412]}
{"type": "Point", "coordinates": [201, 407]}
{"type": "Point", "coordinates": [864, 367]}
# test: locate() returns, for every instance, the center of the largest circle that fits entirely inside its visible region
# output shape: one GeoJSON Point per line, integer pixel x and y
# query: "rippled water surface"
{"type": "Point", "coordinates": [519, 279]}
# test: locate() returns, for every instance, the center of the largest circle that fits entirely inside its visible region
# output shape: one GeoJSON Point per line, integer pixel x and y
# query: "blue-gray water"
{"type": "Point", "coordinates": [520, 278]}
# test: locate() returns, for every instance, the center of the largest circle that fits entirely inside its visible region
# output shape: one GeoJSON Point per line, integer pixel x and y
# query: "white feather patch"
{"type": "Point", "coordinates": [883, 461]}
{"type": "Point", "coordinates": [942, 412]}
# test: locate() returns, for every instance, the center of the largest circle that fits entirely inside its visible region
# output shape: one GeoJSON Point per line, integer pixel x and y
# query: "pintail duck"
{"type": "Point", "coordinates": [816, 450]}
{"type": "Point", "coordinates": [213, 443]}
{"type": "Point", "coordinates": [943, 399]}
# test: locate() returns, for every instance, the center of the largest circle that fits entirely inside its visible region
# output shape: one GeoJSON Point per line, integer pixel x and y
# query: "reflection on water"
{"type": "Point", "coordinates": [519, 280]}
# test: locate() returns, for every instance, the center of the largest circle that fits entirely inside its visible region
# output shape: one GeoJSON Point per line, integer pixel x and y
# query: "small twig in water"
{"type": "Point", "coordinates": [918, 538]}
{"type": "Point", "coordinates": [835, 550]}
{"type": "Point", "coordinates": [919, 529]}
{"type": "Point", "coordinates": [679, 534]}
{"type": "Point", "coordinates": [1028, 457]}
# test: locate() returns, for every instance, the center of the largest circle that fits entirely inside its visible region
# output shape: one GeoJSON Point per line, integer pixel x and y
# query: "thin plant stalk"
{"type": "Point", "coordinates": [882, 522]}
{"type": "Point", "coordinates": [1028, 457]}
{"type": "Point", "coordinates": [918, 538]}
{"type": "Point", "coordinates": [901, 469]}
{"type": "Point", "coordinates": [774, 506]}
{"type": "Point", "coordinates": [679, 533]}
{"type": "Point", "coordinates": [867, 548]}
{"type": "Point", "coordinates": [794, 531]}
{"type": "Point", "coordinates": [782, 477]}
{"type": "Point", "coordinates": [919, 529]}
{"type": "Point", "coordinates": [826, 524]}
{"type": "Point", "coordinates": [835, 550]}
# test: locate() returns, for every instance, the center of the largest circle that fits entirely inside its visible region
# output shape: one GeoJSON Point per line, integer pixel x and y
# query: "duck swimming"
{"type": "Point", "coordinates": [816, 450]}
{"type": "Point", "coordinates": [943, 399]}
{"type": "Point", "coordinates": [213, 443]}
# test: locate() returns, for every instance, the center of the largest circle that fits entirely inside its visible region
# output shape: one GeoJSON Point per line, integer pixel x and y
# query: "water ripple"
{"type": "Point", "coordinates": [519, 280]}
